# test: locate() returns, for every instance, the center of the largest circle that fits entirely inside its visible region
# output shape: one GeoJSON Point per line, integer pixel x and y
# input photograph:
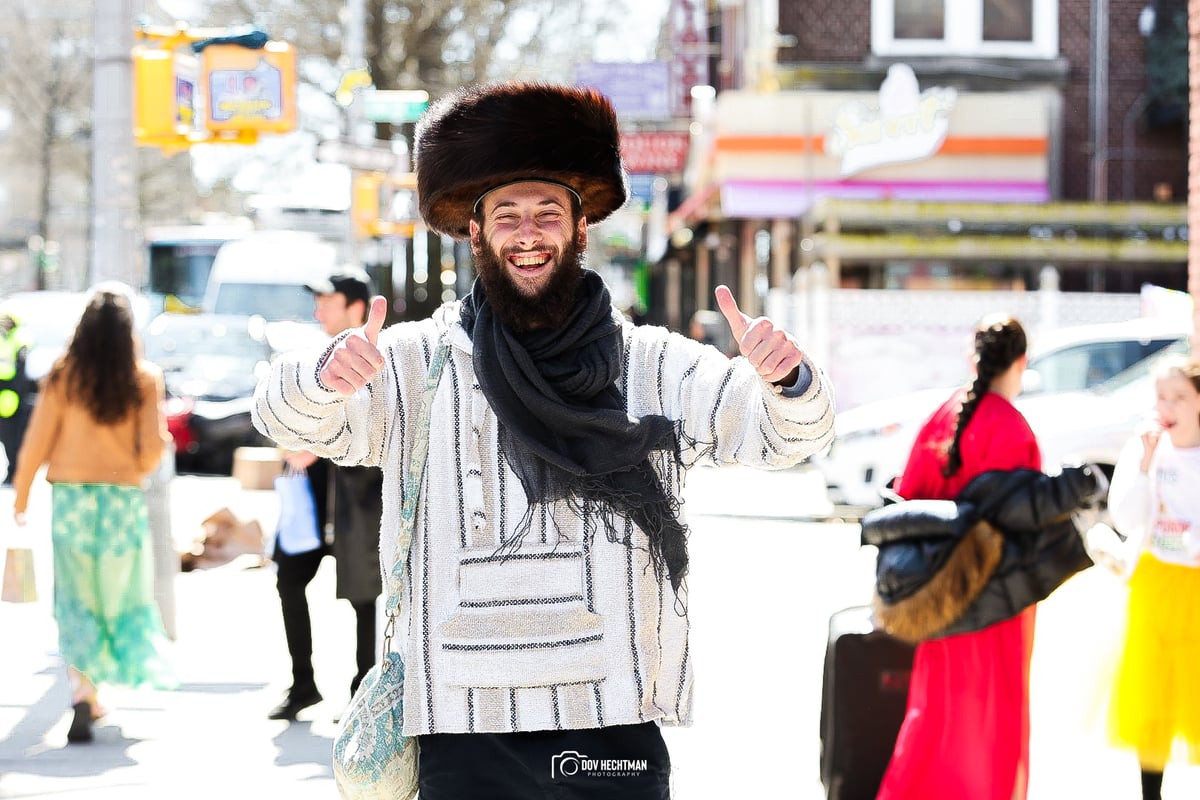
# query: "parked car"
{"type": "Point", "coordinates": [872, 440]}
{"type": "Point", "coordinates": [1094, 424]}
{"type": "Point", "coordinates": [211, 364]}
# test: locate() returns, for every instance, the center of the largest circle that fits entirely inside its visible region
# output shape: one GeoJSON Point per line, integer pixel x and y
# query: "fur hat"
{"type": "Point", "coordinates": [483, 137]}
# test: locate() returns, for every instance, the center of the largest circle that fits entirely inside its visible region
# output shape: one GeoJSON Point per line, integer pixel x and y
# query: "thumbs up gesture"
{"type": "Point", "coordinates": [356, 359]}
{"type": "Point", "coordinates": [773, 351]}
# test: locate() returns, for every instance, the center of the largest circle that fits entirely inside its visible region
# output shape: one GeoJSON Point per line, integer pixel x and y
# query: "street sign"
{"type": "Point", "coordinates": [395, 106]}
{"type": "Point", "coordinates": [655, 151]}
{"type": "Point", "coordinates": [637, 90]}
{"type": "Point", "coordinates": [366, 157]}
{"type": "Point", "coordinates": [688, 41]}
{"type": "Point", "coordinates": [641, 188]}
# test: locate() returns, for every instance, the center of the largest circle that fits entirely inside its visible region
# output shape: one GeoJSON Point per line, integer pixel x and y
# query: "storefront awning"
{"type": "Point", "coordinates": [876, 247]}
{"type": "Point", "coordinates": [866, 230]}
{"type": "Point", "coordinates": [774, 199]}
{"type": "Point", "coordinates": [695, 207]}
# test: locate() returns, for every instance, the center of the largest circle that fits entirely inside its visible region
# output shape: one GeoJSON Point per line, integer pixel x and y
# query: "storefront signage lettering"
{"type": "Point", "coordinates": [907, 124]}
{"type": "Point", "coordinates": [655, 152]}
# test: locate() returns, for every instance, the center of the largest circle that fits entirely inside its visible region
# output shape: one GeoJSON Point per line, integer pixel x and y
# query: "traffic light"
{"type": "Point", "coordinates": [364, 204]}
{"type": "Point", "coordinates": [239, 86]}
{"type": "Point", "coordinates": [249, 89]}
{"type": "Point", "coordinates": [164, 94]}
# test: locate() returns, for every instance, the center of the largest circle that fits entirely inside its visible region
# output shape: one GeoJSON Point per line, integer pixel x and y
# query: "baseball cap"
{"type": "Point", "coordinates": [352, 282]}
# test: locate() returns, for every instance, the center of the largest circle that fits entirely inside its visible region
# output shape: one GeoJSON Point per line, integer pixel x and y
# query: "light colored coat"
{"type": "Point", "coordinates": [572, 630]}
{"type": "Point", "coordinates": [78, 449]}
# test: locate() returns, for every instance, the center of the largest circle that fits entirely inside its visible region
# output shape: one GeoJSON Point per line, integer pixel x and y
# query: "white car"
{"type": "Point", "coordinates": [48, 317]}
{"type": "Point", "coordinates": [873, 440]}
{"type": "Point", "coordinates": [1094, 425]}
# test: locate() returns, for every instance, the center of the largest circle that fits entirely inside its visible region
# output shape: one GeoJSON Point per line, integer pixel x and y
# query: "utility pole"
{"type": "Point", "coordinates": [1098, 91]}
{"type": "Point", "coordinates": [353, 59]}
{"type": "Point", "coordinates": [114, 154]}
{"type": "Point", "coordinates": [353, 49]}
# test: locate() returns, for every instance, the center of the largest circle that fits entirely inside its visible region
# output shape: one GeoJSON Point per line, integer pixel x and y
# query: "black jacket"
{"type": "Point", "coordinates": [1006, 542]}
{"type": "Point", "coordinates": [357, 498]}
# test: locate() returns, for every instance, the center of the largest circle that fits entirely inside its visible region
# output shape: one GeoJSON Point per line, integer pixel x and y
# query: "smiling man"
{"type": "Point", "coordinates": [545, 633]}
{"type": "Point", "coordinates": [528, 243]}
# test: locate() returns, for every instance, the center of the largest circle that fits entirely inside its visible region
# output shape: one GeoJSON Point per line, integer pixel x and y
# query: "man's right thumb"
{"type": "Point", "coordinates": [375, 318]}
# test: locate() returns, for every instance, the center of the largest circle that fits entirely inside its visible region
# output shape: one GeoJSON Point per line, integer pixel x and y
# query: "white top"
{"type": "Point", "coordinates": [1161, 510]}
{"type": "Point", "coordinates": [572, 630]}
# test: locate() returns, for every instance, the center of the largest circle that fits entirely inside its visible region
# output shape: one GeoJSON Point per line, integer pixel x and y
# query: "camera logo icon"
{"type": "Point", "coordinates": [566, 764]}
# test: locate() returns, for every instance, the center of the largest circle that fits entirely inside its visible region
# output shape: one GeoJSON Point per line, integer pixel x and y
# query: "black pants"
{"type": "Point", "coordinates": [294, 574]}
{"type": "Point", "coordinates": [1151, 785]}
{"type": "Point", "coordinates": [622, 761]}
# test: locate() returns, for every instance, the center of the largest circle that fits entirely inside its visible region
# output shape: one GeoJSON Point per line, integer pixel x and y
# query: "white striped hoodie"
{"type": "Point", "coordinates": [573, 630]}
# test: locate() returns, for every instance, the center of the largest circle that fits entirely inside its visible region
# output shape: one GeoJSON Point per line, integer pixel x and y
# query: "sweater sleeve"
{"type": "Point", "coordinates": [1130, 495]}
{"type": "Point", "coordinates": [730, 415]}
{"type": "Point", "coordinates": [295, 410]}
{"type": "Point", "coordinates": [45, 422]}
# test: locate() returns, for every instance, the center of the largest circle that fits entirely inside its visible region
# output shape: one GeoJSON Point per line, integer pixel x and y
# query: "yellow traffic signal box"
{"type": "Point", "coordinates": [249, 89]}
{"type": "Point", "coordinates": [164, 95]}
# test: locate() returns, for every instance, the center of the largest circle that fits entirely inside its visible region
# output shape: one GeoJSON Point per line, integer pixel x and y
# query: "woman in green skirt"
{"type": "Point", "coordinates": [99, 427]}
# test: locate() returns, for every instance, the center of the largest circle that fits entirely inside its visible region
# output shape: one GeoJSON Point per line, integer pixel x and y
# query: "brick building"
{"type": "Point", "coordinates": [1144, 148]}
{"type": "Point", "coordinates": [1029, 150]}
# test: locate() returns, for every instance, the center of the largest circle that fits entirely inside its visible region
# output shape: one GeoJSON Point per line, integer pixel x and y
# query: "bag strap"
{"type": "Point", "coordinates": [412, 489]}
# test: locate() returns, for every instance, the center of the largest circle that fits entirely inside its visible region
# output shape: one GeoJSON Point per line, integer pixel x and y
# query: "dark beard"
{"type": "Point", "coordinates": [550, 307]}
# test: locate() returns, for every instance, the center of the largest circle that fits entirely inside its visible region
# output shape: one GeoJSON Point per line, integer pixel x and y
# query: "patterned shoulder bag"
{"type": "Point", "coordinates": [372, 758]}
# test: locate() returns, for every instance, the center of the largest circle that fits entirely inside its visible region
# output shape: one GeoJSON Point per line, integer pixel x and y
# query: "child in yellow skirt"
{"type": "Point", "coordinates": [1154, 500]}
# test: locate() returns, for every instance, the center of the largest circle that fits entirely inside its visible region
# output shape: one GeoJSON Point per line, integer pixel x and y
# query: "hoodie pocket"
{"type": "Point", "coordinates": [522, 621]}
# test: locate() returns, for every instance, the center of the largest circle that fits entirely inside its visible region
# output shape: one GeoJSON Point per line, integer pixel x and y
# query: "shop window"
{"type": "Point", "coordinates": [1166, 63]}
{"type": "Point", "coordinates": [980, 28]}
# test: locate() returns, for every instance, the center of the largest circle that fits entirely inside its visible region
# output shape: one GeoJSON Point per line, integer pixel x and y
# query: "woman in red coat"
{"type": "Point", "coordinates": [966, 730]}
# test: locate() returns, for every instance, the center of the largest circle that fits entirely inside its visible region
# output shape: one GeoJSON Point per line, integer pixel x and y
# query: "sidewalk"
{"type": "Point", "coordinates": [212, 736]}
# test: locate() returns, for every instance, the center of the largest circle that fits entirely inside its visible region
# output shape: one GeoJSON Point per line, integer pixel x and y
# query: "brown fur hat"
{"type": "Point", "coordinates": [483, 137]}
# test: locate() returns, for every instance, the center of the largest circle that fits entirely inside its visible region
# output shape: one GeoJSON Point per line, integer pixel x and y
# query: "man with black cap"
{"type": "Point", "coordinates": [545, 624]}
{"type": "Point", "coordinates": [350, 497]}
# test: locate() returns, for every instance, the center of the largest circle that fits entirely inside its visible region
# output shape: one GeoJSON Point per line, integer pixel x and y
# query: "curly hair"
{"type": "Point", "coordinates": [100, 365]}
{"type": "Point", "coordinates": [999, 342]}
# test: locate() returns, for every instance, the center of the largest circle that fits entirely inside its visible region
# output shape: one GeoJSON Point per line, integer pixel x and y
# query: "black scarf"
{"type": "Point", "coordinates": [564, 428]}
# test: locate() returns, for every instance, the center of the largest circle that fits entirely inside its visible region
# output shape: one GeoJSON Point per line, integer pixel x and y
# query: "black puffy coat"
{"type": "Point", "coordinates": [1006, 542]}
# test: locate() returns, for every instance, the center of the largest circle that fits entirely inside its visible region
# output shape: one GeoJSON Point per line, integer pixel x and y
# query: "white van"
{"type": "Point", "coordinates": [264, 274]}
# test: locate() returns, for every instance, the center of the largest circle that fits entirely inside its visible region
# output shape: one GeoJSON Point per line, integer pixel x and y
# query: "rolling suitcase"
{"type": "Point", "coordinates": [864, 692]}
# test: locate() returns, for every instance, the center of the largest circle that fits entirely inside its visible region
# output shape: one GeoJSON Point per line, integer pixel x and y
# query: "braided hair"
{"type": "Point", "coordinates": [999, 341]}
